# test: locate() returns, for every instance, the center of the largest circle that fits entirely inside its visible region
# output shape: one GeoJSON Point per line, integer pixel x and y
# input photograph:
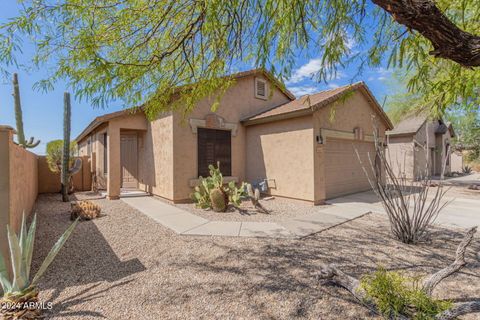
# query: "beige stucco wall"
{"type": "Point", "coordinates": [5, 137]}
{"type": "Point", "coordinates": [283, 151]}
{"type": "Point", "coordinates": [156, 173]}
{"type": "Point", "coordinates": [400, 155]}
{"type": "Point", "coordinates": [238, 102]}
{"type": "Point", "coordinates": [23, 183]}
{"type": "Point", "coordinates": [423, 156]}
{"type": "Point", "coordinates": [355, 111]}
{"type": "Point", "coordinates": [49, 182]}
{"type": "Point", "coordinates": [456, 159]}
{"type": "Point", "coordinates": [18, 184]}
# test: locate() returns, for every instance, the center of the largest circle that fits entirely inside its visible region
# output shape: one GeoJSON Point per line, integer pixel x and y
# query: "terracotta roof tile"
{"type": "Point", "coordinates": [304, 102]}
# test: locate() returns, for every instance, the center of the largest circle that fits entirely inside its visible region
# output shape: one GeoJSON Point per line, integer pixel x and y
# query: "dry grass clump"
{"type": "Point", "coordinates": [84, 209]}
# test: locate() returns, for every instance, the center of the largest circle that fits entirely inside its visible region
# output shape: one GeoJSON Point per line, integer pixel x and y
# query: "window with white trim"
{"type": "Point", "coordinates": [261, 89]}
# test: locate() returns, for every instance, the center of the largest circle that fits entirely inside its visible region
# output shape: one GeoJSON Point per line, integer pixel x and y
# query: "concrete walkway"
{"type": "Point", "coordinates": [463, 213]}
{"type": "Point", "coordinates": [460, 212]}
{"type": "Point", "coordinates": [186, 223]}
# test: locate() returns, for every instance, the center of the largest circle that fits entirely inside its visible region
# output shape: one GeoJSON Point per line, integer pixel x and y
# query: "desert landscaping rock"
{"type": "Point", "coordinates": [123, 266]}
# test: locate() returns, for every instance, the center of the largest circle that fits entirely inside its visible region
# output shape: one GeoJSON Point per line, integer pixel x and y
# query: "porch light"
{"type": "Point", "coordinates": [319, 139]}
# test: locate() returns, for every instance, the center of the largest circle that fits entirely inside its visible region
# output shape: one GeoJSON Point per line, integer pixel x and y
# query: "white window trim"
{"type": "Point", "coordinates": [257, 80]}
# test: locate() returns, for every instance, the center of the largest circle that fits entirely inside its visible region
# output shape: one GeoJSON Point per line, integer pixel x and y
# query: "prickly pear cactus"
{"type": "Point", "coordinates": [217, 197]}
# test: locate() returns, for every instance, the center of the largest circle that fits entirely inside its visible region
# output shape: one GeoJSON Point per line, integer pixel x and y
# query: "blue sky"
{"type": "Point", "coordinates": [43, 112]}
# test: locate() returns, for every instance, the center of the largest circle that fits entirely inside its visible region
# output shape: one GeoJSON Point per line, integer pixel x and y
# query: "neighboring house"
{"type": "Point", "coordinates": [302, 148]}
{"type": "Point", "coordinates": [420, 147]}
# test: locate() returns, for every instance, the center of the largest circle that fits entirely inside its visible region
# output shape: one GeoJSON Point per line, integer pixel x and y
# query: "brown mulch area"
{"type": "Point", "coordinates": [124, 265]}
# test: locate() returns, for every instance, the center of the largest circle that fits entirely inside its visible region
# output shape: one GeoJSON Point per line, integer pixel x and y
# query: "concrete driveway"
{"type": "Point", "coordinates": [461, 212]}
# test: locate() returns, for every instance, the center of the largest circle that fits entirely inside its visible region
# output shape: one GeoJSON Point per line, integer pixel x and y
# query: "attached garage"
{"type": "Point", "coordinates": [343, 172]}
{"type": "Point", "coordinates": [305, 149]}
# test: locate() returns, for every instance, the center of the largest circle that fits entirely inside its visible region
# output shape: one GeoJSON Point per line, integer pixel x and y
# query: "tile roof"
{"type": "Point", "coordinates": [409, 125]}
{"type": "Point", "coordinates": [106, 117]}
{"type": "Point", "coordinates": [309, 103]}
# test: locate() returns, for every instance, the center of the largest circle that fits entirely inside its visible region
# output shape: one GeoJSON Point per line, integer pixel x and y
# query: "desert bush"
{"type": "Point", "coordinates": [410, 209]}
{"type": "Point", "coordinates": [467, 169]}
{"type": "Point", "coordinates": [396, 294]}
{"type": "Point", "coordinates": [212, 193]}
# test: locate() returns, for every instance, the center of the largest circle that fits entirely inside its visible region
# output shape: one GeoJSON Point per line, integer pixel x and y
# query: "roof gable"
{"type": "Point", "coordinates": [309, 103]}
{"type": "Point", "coordinates": [254, 72]}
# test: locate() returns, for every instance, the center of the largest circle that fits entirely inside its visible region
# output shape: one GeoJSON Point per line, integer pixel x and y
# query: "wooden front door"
{"type": "Point", "coordinates": [129, 161]}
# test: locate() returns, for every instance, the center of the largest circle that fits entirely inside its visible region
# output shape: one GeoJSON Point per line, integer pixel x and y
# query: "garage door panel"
{"type": "Point", "coordinates": [343, 172]}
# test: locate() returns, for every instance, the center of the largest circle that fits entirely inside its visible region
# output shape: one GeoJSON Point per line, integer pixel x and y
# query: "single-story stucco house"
{"type": "Point", "coordinates": [420, 147]}
{"type": "Point", "coordinates": [302, 148]}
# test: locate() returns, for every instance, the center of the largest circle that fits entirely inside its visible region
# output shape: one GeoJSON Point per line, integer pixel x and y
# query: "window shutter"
{"type": "Point", "coordinates": [214, 146]}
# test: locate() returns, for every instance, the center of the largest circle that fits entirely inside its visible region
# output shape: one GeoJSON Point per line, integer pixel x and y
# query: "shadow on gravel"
{"type": "Point", "coordinates": [289, 268]}
{"type": "Point", "coordinates": [86, 257]}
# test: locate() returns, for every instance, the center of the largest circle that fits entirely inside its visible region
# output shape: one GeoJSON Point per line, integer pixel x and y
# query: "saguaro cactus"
{"type": "Point", "coordinates": [19, 117]}
{"type": "Point", "coordinates": [66, 146]}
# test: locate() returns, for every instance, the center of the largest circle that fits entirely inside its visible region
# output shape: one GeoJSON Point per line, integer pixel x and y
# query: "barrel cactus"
{"type": "Point", "coordinates": [217, 198]}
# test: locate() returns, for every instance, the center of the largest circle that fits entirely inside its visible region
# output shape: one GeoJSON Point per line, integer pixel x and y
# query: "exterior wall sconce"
{"type": "Point", "coordinates": [319, 139]}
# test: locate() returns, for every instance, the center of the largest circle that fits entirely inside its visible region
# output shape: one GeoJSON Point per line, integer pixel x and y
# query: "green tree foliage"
{"type": "Point", "coordinates": [54, 154]}
{"type": "Point", "coordinates": [154, 51]}
{"type": "Point", "coordinates": [467, 129]}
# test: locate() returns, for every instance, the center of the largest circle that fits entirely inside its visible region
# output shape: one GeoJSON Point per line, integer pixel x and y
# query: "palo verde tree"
{"type": "Point", "coordinates": [139, 50]}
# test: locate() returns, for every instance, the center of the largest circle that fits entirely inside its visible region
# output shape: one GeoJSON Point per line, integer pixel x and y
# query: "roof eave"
{"type": "Point", "coordinates": [277, 117]}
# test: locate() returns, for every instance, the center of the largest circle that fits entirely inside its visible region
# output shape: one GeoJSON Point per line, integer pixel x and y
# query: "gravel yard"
{"type": "Point", "coordinates": [126, 266]}
{"type": "Point", "coordinates": [278, 209]}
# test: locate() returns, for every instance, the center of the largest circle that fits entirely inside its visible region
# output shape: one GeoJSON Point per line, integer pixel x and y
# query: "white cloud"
{"type": "Point", "coordinates": [333, 85]}
{"type": "Point", "coordinates": [382, 78]}
{"type": "Point", "coordinates": [383, 72]}
{"type": "Point", "coordinates": [303, 90]}
{"type": "Point", "coordinates": [309, 69]}
{"type": "Point", "coordinates": [305, 71]}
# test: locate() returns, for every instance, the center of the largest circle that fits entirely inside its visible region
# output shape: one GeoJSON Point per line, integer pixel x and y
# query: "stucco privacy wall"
{"type": "Point", "coordinates": [49, 182]}
{"type": "Point", "coordinates": [18, 183]}
{"type": "Point", "coordinates": [283, 153]}
{"type": "Point", "coordinates": [456, 159]}
{"type": "Point", "coordinates": [238, 102]}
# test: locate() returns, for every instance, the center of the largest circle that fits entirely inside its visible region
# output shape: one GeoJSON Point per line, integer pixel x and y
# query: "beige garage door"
{"type": "Point", "coordinates": [343, 171]}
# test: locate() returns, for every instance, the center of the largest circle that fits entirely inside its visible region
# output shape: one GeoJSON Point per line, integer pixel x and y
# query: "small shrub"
{"type": "Point", "coordinates": [202, 196]}
{"type": "Point", "coordinates": [85, 210]}
{"type": "Point", "coordinates": [467, 169]}
{"type": "Point", "coordinates": [396, 294]}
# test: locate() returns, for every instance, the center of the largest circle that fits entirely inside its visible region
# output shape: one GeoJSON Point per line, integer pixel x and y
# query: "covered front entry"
{"type": "Point", "coordinates": [129, 160]}
{"type": "Point", "coordinates": [343, 172]}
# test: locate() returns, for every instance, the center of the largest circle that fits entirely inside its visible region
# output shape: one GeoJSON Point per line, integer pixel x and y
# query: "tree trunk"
{"type": "Point", "coordinates": [448, 40]}
{"type": "Point", "coordinates": [336, 276]}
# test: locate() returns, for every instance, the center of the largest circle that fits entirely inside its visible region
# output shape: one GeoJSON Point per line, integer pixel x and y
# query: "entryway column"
{"type": "Point", "coordinates": [113, 183]}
